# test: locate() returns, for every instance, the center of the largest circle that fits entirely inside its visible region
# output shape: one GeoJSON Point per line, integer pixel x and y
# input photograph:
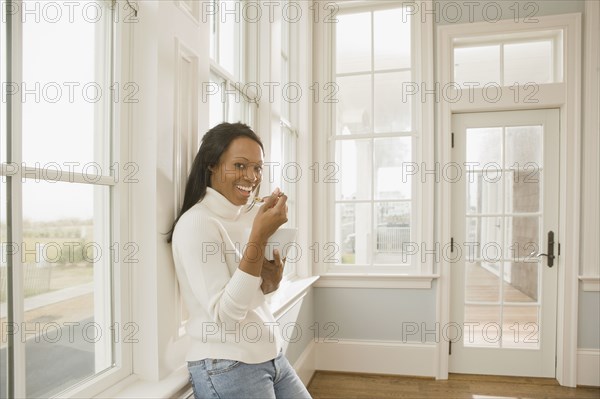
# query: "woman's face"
{"type": "Point", "coordinates": [239, 170]}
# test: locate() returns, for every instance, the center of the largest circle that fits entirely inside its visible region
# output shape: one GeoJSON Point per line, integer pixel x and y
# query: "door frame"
{"type": "Point", "coordinates": [565, 96]}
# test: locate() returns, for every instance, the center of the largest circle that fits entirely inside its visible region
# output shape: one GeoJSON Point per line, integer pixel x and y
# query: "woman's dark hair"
{"type": "Point", "coordinates": [214, 144]}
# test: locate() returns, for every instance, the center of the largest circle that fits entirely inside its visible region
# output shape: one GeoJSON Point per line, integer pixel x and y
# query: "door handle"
{"type": "Point", "coordinates": [550, 254]}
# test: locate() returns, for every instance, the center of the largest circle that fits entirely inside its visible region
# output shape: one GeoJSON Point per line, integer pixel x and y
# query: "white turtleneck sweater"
{"type": "Point", "coordinates": [229, 318]}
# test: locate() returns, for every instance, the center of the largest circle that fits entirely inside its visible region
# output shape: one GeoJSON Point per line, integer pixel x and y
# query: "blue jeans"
{"type": "Point", "coordinates": [229, 379]}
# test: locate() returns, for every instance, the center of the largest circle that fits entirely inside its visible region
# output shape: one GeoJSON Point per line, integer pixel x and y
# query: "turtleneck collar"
{"type": "Point", "coordinates": [221, 206]}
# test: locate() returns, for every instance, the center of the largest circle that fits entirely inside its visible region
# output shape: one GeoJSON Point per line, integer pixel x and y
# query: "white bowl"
{"type": "Point", "coordinates": [282, 239]}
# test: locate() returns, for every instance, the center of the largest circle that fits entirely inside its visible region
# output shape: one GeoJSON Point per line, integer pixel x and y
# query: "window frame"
{"type": "Point", "coordinates": [288, 114]}
{"type": "Point", "coordinates": [555, 36]}
{"type": "Point", "coordinates": [117, 124]}
{"type": "Point", "coordinates": [422, 273]}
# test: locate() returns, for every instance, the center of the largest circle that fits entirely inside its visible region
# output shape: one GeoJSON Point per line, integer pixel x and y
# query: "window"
{"type": "Point", "coordinates": [62, 248]}
{"type": "Point", "coordinates": [377, 134]}
{"type": "Point", "coordinates": [509, 60]}
{"type": "Point", "coordinates": [230, 98]}
{"type": "Point", "coordinates": [284, 141]}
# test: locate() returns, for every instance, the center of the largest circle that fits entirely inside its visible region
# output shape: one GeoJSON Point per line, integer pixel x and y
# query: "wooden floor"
{"type": "Point", "coordinates": [327, 384]}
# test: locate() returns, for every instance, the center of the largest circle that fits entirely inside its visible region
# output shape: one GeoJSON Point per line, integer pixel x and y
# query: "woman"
{"type": "Point", "coordinates": [218, 249]}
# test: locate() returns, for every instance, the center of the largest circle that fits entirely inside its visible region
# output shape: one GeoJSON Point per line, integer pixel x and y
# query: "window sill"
{"type": "Point", "coordinates": [288, 294]}
{"type": "Point", "coordinates": [176, 384]}
{"type": "Point", "coordinates": [361, 280]}
{"type": "Point", "coordinates": [590, 283]}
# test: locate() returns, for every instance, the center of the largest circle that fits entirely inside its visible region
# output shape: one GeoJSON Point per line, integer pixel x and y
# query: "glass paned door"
{"type": "Point", "coordinates": [505, 205]}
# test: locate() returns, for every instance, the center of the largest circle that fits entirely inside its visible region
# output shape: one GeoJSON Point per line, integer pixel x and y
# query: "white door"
{"type": "Point", "coordinates": [504, 213]}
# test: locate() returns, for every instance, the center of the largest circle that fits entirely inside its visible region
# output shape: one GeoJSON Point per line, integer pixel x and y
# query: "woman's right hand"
{"type": "Point", "coordinates": [271, 215]}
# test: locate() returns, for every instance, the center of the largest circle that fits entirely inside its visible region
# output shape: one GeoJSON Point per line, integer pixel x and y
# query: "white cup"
{"type": "Point", "coordinates": [282, 239]}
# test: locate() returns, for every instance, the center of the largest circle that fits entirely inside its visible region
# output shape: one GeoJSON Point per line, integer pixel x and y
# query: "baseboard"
{"type": "Point", "coordinates": [305, 365]}
{"type": "Point", "coordinates": [588, 367]}
{"type": "Point", "coordinates": [378, 357]}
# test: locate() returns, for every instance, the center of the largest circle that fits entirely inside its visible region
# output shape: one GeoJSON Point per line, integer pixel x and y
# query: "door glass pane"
{"type": "Point", "coordinates": [521, 327]}
{"type": "Point", "coordinates": [523, 190]}
{"type": "Point", "coordinates": [352, 243]}
{"type": "Point", "coordinates": [488, 237]}
{"type": "Point", "coordinates": [353, 111]}
{"type": "Point", "coordinates": [393, 177]}
{"type": "Point", "coordinates": [472, 245]}
{"type": "Point", "coordinates": [522, 279]}
{"type": "Point", "coordinates": [66, 94]}
{"type": "Point", "coordinates": [477, 64]}
{"type": "Point", "coordinates": [353, 43]}
{"type": "Point", "coordinates": [390, 53]}
{"type": "Point", "coordinates": [484, 149]}
{"type": "Point", "coordinates": [392, 232]}
{"type": "Point", "coordinates": [524, 147]}
{"type": "Point", "coordinates": [352, 170]}
{"type": "Point", "coordinates": [392, 111]}
{"type": "Point", "coordinates": [482, 326]}
{"type": "Point", "coordinates": [522, 236]}
{"type": "Point", "coordinates": [484, 193]}
{"type": "Point", "coordinates": [482, 284]}
{"type": "Point", "coordinates": [66, 260]}
{"type": "Point", "coordinates": [528, 63]}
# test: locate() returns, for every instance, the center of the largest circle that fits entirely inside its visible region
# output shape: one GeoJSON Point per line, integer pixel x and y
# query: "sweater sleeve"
{"type": "Point", "coordinates": [199, 248]}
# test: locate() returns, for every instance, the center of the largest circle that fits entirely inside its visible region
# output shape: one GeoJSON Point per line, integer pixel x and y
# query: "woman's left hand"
{"type": "Point", "coordinates": [272, 273]}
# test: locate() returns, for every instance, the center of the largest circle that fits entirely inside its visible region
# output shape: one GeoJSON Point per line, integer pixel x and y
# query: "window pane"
{"type": "Point", "coordinates": [351, 238]}
{"type": "Point", "coordinates": [479, 64]}
{"type": "Point", "coordinates": [292, 174]}
{"type": "Point", "coordinates": [354, 106]}
{"type": "Point", "coordinates": [392, 40]}
{"type": "Point", "coordinates": [392, 159]}
{"type": "Point", "coordinates": [528, 62]}
{"type": "Point", "coordinates": [216, 106]}
{"type": "Point", "coordinates": [3, 290]}
{"type": "Point", "coordinates": [287, 98]}
{"type": "Point", "coordinates": [3, 79]}
{"type": "Point", "coordinates": [66, 90]}
{"type": "Point", "coordinates": [228, 42]}
{"type": "Point", "coordinates": [235, 107]}
{"type": "Point", "coordinates": [213, 30]}
{"type": "Point", "coordinates": [353, 43]}
{"type": "Point", "coordinates": [392, 111]}
{"type": "Point", "coordinates": [392, 232]}
{"type": "Point", "coordinates": [67, 272]}
{"type": "Point", "coordinates": [354, 175]}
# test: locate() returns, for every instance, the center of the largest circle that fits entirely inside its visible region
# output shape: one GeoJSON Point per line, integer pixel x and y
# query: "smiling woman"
{"type": "Point", "coordinates": [219, 256]}
{"type": "Point", "coordinates": [240, 171]}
